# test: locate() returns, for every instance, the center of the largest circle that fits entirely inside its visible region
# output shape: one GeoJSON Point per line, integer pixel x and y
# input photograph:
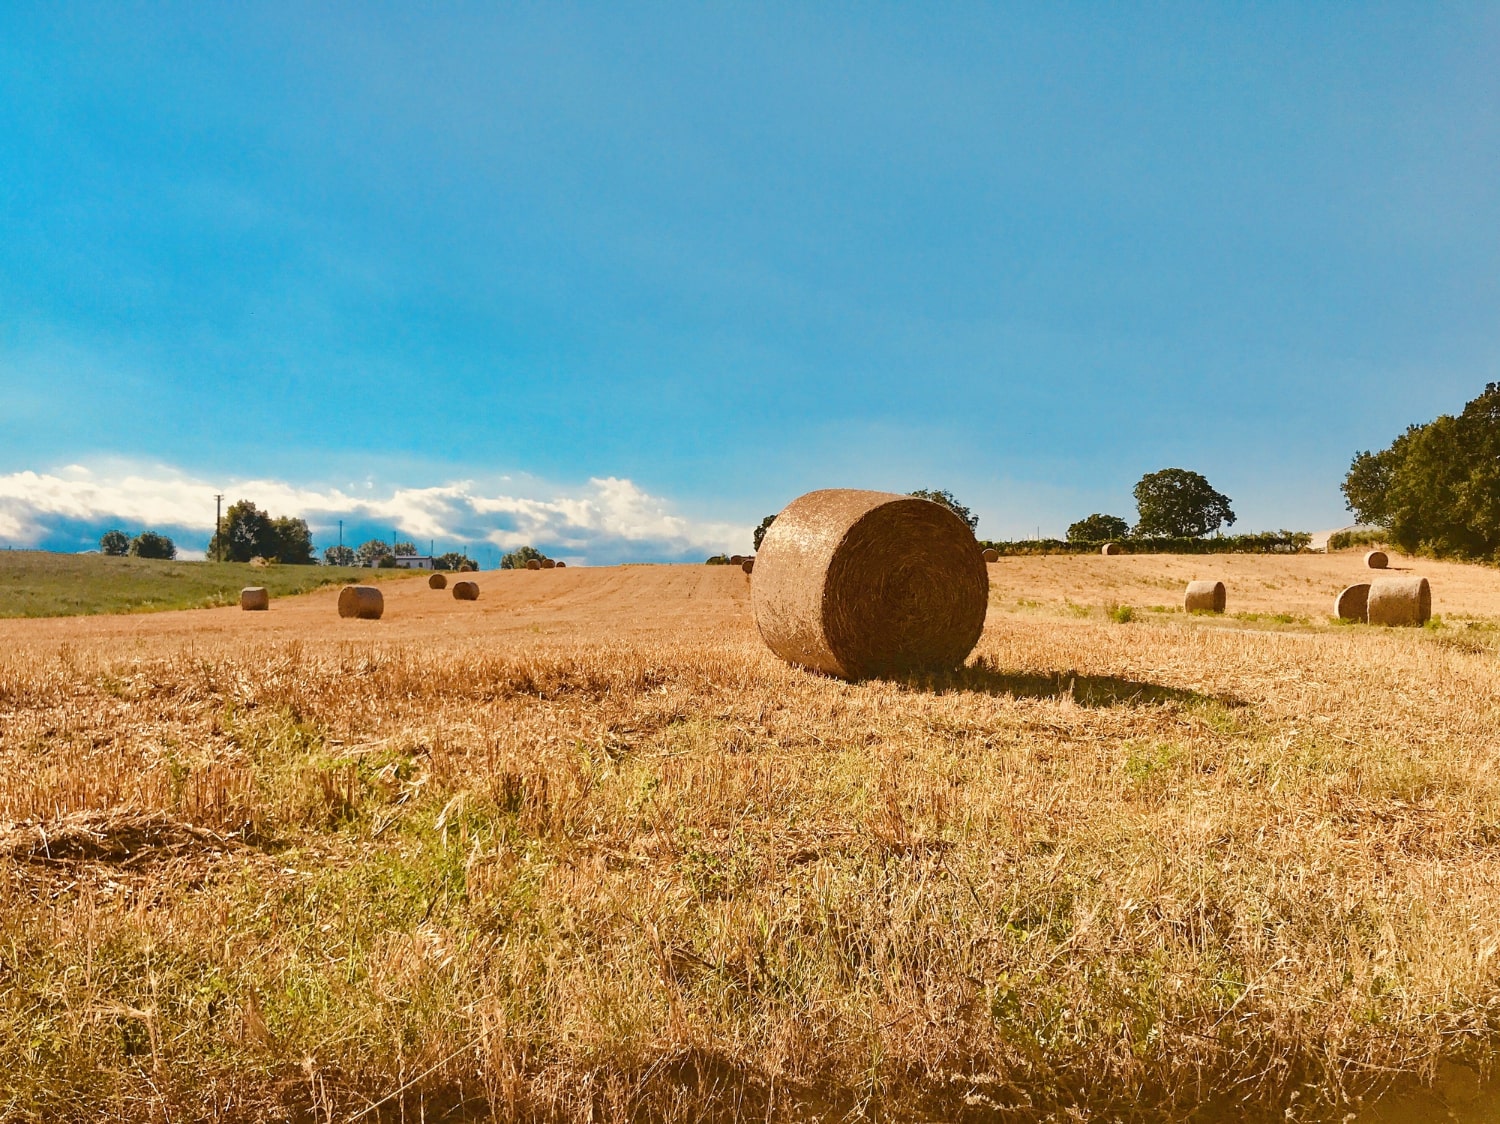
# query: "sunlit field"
{"type": "Point", "coordinates": [584, 849]}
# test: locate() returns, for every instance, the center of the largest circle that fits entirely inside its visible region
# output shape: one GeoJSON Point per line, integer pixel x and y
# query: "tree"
{"type": "Point", "coordinates": [1098, 528]}
{"type": "Point", "coordinates": [517, 559]}
{"type": "Point", "coordinates": [339, 556]}
{"type": "Point", "coordinates": [760, 532]}
{"type": "Point", "coordinates": [148, 544]}
{"type": "Point", "coordinates": [1436, 489]}
{"type": "Point", "coordinates": [115, 543]}
{"type": "Point", "coordinates": [246, 533]}
{"type": "Point", "coordinates": [946, 499]}
{"type": "Point", "coordinates": [406, 548]}
{"type": "Point", "coordinates": [1176, 503]}
{"type": "Point", "coordinates": [452, 561]}
{"type": "Point", "coordinates": [369, 553]}
{"type": "Point", "coordinates": [293, 538]}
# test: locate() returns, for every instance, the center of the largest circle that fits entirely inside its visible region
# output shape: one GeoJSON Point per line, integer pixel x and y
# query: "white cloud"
{"type": "Point", "coordinates": [609, 519]}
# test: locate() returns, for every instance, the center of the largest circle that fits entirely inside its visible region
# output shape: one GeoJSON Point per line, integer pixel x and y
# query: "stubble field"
{"type": "Point", "coordinates": [585, 850]}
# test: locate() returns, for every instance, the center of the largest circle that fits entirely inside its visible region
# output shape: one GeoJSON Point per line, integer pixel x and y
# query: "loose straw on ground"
{"type": "Point", "coordinates": [857, 583]}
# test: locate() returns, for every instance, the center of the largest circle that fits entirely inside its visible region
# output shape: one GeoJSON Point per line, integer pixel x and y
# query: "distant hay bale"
{"type": "Point", "coordinates": [562, 565]}
{"type": "Point", "coordinates": [748, 565]}
{"type": "Point", "coordinates": [362, 601]}
{"type": "Point", "coordinates": [1399, 601]}
{"type": "Point", "coordinates": [1204, 597]}
{"type": "Point", "coordinates": [533, 563]}
{"type": "Point", "coordinates": [254, 597]}
{"type": "Point", "coordinates": [467, 568]}
{"type": "Point", "coordinates": [736, 559]}
{"type": "Point", "coordinates": [1377, 560]}
{"type": "Point", "coordinates": [1110, 548]}
{"type": "Point", "coordinates": [856, 583]}
{"type": "Point", "coordinates": [466, 591]}
{"type": "Point", "coordinates": [259, 563]}
{"type": "Point", "coordinates": [1352, 603]}
{"type": "Point", "coordinates": [437, 581]}
{"type": "Point", "coordinates": [548, 564]}
{"type": "Point", "coordinates": [991, 554]}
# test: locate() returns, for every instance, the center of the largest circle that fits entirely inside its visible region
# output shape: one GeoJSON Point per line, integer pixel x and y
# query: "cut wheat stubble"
{"type": "Point", "coordinates": [856, 583]}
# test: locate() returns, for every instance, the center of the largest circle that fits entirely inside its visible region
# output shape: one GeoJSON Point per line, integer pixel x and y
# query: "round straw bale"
{"type": "Point", "coordinates": [437, 581]}
{"type": "Point", "coordinates": [548, 564]}
{"type": "Point", "coordinates": [254, 597]}
{"type": "Point", "coordinates": [856, 583]}
{"type": "Point", "coordinates": [466, 591]}
{"type": "Point", "coordinates": [736, 559]}
{"type": "Point", "coordinates": [562, 565]}
{"type": "Point", "coordinates": [1110, 548]}
{"type": "Point", "coordinates": [533, 563]}
{"type": "Point", "coordinates": [1399, 601]}
{"type": "Point", "coordinates": [991, 554]}
{"type": "Point", "coordinates": [1204, 597]}
{"type": "Point", "coordinates": [1377, 560]}
{"type": "Point", "coordinates": [748, 565]}
{"type": "Point", "coordinates": [1351, 603]}
{"type": "Point", "coordinates": [467, 567]}
{"type": "Point", "coordinates": [362, 601]}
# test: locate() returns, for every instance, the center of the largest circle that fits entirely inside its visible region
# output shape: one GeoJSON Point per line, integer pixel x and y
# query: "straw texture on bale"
{"type": "Point", "coordinates": [991, 554]}
{"type": "Point", "coordinates": [362, 601]}
{"type": "Point", "coordinates": [1351, 604]}
{"type": "Point", "coordinates": [533, 563]}
{"type": "Point", "coordinates": [856, 583]}
{"type": "Point", "coordinates": [748, 565]}
{"type": "Point", "coordinates": [548, 564]}
{"type": "Point", "coordinates": [437, 581]}
{"type": "Point", "coordinates": [1204, 597]}
{"type": "Point", "coordinates": [1110, 548]}
{"type": "Point", "coordinates": [254, 597]}
{"type": "Point", "coordinates": [1399, 601]}
{"type": "Point", "coordinates": [466, 591]}
{"type": "Point", "coordinates": [1377, 560]}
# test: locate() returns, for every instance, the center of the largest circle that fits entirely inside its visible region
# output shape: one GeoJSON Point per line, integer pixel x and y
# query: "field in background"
{"type": "Point", "coordinates": [584, 849]}
{"type": "Point", "coordinates": [40, 584]}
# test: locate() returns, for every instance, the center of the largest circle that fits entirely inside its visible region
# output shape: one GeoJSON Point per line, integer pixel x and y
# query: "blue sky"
{"type": "Point", "coordinates": [622, 279]}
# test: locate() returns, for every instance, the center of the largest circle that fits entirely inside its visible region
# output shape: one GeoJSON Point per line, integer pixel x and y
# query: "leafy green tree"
{"type": "Point", "coordinates": [369, 553]}
{"type": "Point", "coordinates": [115, 543]}
{"type": "Point", "coordinates": [1436, 488]}
{"type": "Point", "coordinates": [247, 532]}
{"type": "Point", "coordinates": [406, 548]}
{"type": "Point", "coordinates": [1177, 503]}
{"type": "Point", "coordinates": [387, 562]}
{"type": "Point", "coordinates": [452, 560]}
{"type": "Point", "coordinates": [760, 532]}
{"type": "Point", "coordinates": [1098, 528]}
{"type": "Point", "coordinates": [339, 556]}
{"type": "Point", "coordinates": [293, 539]}
{"type": "Point", "coordinates": [148, 544]}
{"type": "Point", "coordinates": [946, 499]}
{"type": "Point", "coordinates": [517, 559]}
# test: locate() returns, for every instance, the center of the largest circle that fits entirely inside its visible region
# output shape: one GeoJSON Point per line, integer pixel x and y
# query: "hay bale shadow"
{"type": "Point", "coordinates": [1085, 690]}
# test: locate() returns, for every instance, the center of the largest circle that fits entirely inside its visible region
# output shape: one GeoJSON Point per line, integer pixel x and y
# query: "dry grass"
{"type": "Point", "coordinates": [584, 849]}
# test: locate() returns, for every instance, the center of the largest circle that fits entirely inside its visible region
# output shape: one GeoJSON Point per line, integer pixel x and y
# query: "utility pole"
{"type": "Point", "coordinates": [341, 532]}
{"type": "Point", "coordinates": [219, 527]}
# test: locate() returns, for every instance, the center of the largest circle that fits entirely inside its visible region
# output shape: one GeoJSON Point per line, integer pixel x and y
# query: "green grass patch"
{"type": "Point", "coordinates": [35, 583]}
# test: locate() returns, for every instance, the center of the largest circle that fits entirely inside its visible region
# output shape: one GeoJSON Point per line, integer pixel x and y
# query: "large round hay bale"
{"type": "Point", "coordinates": [1377, 560]}
{"type": "Point", "coordinates": [1350, 605]}
{"type": "Point", "coordinates": [437, 581]}
{"type": "Point", "coordinates": [1399, 601]}
{"type": "Point", "coordinates": [856, 583]}
{"type": "Point", "coordinates": [362, 601]}
{"type": "Point", "coordinates": [254, 597]}
{"type": "Point", "coordinates": [533, 563]}
{"type": "Point", "coordinates": [466, 591]}
{"type": "Point", "coordinates": [562, 565]}
{"type": "Point", "coordinates": [736, 559]}
{"type": "Point", "coordinates": [467, 568]}
{"type": "Point", "coordinates": [548, 564]}
{"type": "Point", "coordinates": [991, 554]}
{"type": "Point", "coordinates": [1204, 597]}
{"type": "Point", "coordinates": [1110, 548]}
{"type": "Point", "coordinates": [748, 565]}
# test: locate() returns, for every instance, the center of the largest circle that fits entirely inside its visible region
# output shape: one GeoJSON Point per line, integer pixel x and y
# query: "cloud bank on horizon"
{"type": "Point", "coordinates": [609, 520]}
